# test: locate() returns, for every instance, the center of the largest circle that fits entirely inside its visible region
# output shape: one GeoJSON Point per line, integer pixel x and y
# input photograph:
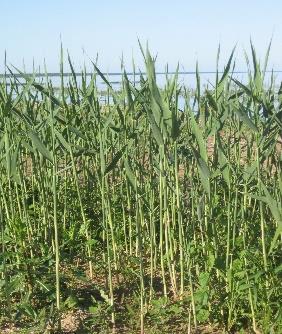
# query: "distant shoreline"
{"type": "Point", "coordinates": [68, 74]}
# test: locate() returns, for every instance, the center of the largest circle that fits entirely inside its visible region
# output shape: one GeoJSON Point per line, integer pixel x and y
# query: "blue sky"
{"type": "Point", "coordinates": [178, 30]}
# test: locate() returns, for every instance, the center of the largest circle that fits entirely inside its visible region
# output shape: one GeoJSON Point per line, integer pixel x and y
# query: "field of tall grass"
{"type": "Point", "coordinates": [138, 215]}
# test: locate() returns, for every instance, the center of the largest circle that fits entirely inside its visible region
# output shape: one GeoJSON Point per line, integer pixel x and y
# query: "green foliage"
{"type": "Point", "coordinates": [135, 213]}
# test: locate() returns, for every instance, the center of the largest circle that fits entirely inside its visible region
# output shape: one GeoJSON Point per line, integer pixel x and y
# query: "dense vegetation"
{"type": "Point", "coordinates": [136, 215]}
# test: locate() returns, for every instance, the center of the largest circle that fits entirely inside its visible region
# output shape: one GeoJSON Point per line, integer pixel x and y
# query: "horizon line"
{"type": "Point", "coordinates": [67, 74]}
